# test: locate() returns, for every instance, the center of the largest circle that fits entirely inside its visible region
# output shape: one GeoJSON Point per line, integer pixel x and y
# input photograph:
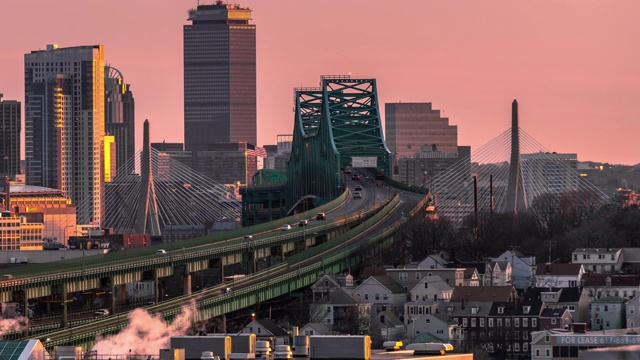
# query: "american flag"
{"type": "Point", "coordinates": [257, 152]}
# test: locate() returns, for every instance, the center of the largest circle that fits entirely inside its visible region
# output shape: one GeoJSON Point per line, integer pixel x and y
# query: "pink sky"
{"type": "Point", "coordinates": [574, 66]}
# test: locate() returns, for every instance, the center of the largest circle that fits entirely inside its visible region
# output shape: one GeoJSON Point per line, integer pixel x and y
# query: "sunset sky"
{"type": "Point", "coordinates": [574, 66]}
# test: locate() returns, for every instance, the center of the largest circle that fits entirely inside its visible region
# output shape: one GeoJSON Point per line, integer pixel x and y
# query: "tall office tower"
{"type": "Point", "coordinates": [10, 117]}
{"type": "Point", "coordinates": [409, 126]}
{"type": "Point", "coordinates": [119, 117]}
{"type": "Point", "coordinates": [64, 124]}
{"type": "Point", "coordinates": [219, 77]}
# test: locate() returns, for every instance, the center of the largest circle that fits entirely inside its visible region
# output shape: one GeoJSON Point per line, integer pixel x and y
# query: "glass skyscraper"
{"type": "Point", "coordinates": [120, 117]}
{"type": "Point", "coordinates": [219, 77]}
{"type": "Point", "coordinates": [10, 120]}
{"type": "Point", "coordinates": [64, 124]}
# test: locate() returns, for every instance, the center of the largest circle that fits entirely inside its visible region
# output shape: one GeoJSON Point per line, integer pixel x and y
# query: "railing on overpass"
{"type": "Point", "coordinates": [272, 286]}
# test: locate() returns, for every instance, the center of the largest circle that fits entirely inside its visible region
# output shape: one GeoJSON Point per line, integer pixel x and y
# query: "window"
{"type": "Point", "coordinates": [426, 285]}
{"type": "Point", "coordinates": [525, 322]}
{"type": "Point", "coordinates": [575, 257]}
{"type": "Point", "coordinates": [516, 347]}
{"type": "Point", "coordinates": [473, 322]}
{"type": "Point", "coordinates": [534, 322]}
{"type": "Point", "coordinates": [403, 276]}
{"type": "Point", "coordinates": [537, 352]}
{"type": "Point", "coordinates": [632, 309]}
{"type": "Point", "coordinates": [366, 296]}
{"type": "Point", "coordinates": [547, 353]}
{"type": "Point", "coordinates": [501, 310]}
{"type": "Point", "coordinates": [547, 338]}
{"type": "Point", "coordinates": [507, 322]}
{"type": "Point", "coordinates": [613, 257]}
{"type": "Point", "coordinates": [481, 322]}
{"type": "Point", "coordinates": [553, 321]}
{"type": "Point", "coordinates": [474, 310]}
{"type": "Point", "coordinates": [377, 296]}
{"type": "Point", "coordinates": [573, 283]}
{"type": "Point", "coordinates": [417, 276]}
{"type": "Point", "coordinates": [464, 322]}
{"type": "Point", "coordinates": [490, 322]}
{"type": "Point", "coordinates": [499, 322]}
{"type": "Point", "coordinates": [525, 347]}
{"type": "Point", "coordinates": [428, 321]}
{"type": "Point", "coordinates": [516, 322]}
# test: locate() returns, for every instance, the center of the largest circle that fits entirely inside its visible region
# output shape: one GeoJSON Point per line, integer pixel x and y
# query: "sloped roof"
{"type": "Point", "coordinates": [482, 293]}
{"type": "Point", "coordinates": [597, 250]}
{"type": "Point", "coordinates": [271, 327]}
{"type": "Point", "coordinates": [390, 319]}
{"type": "Point", "coordinates": [568, 294]}
{"type": "Point", "coordinates": [468, 273]}
{"type": "Point", "coordinates": [338, 297]}
{"type": "Point", "coordinates": [484, 307]}
{"type": "Point", "coordinates": [480, 266]}
{"type": "Point", "coordinates": [610, 299]}
{"type": "Point", "coordinates": [393, 286]}
{"type": "Point", "coordinates": [558, 269]}
{"type": "Point", "coordinates": [14, 350]}
{"type": "Point", "coordinates": [434, 281]}
{"type": "Point", "coordinates": [616, 280]}
{"type": "Point", "coordinates": [319, 328]}
{"type": "Point", "coordinates": [552, 313]}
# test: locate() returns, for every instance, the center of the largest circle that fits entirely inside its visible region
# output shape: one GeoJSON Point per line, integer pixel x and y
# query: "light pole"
{"type": "Point", "coordinates": [66, 240]}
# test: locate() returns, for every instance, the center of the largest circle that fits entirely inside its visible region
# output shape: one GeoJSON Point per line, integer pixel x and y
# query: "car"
{"type": "Point", "coordinates": [101, 312]}
{"type": "Point", "coordinates": [248, 237]}
{"type": "Point", "coordinates": [355, 177]}
{"type": "Point", "coordinates": [303, 222]}
{"type": "Point", "coordinates": [320, 216]}
{"type": "Point", "coordinates": [286, 227]}
{"type": "Point", "coordinates": [358, 188]}
{"type": "Point", "coordinates": [161, 251]}
{"type": "Point", "coordinates": [347, 170]}
{"type": "Point", "coordinates": [357, 195]}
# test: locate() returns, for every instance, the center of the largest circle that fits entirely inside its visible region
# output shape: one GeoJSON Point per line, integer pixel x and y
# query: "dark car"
{"type": "Point", "coordinates": [320, 216]}
{"type": "Point", "coordinates": [355, 177]}
{"type": "Point", "coordinates": [358, 188]}
{"type": "Point", "coordinates": [303, 222]}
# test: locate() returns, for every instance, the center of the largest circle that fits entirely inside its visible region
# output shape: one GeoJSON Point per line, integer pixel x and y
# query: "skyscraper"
{"type": "Point", "coordinates": [64, 124]}
{"type": "Point", "coordinates": [219, 76]}
{"type": "Point", "coordinates": [119, 114]}
{"type": "Point", "coordinates": [10, 117]}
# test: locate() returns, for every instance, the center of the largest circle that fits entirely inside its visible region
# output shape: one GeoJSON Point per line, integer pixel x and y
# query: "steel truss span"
{"type": "Point", "coordinates": [333, 123]}
{"type": "Point", "coordinates": [183, 196]}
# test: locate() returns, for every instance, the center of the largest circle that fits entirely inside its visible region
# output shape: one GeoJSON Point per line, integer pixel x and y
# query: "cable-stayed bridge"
{"type": "Point", "coordinates": [511, 173]}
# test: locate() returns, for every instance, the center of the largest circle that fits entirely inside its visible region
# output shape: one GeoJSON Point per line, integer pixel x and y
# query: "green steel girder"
{"type": "Point", "coordinates": [332, 124]}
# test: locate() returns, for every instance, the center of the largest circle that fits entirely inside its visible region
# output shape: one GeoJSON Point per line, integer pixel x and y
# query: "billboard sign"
{"type": "Point", "coordinates": [364, 161]}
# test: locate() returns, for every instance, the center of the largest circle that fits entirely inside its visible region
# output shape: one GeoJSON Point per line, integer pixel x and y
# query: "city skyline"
{"type": "Point", "coordinates": [569, 65]}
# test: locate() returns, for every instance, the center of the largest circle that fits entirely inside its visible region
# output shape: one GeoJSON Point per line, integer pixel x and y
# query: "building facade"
{"type": "Point", "coordinates": [219, 76]}
{"type": "Point", "coordinates": [10, 120]}
{"type": "Point", "coordinates": [64, 124]}
{"type": "Point", "coordinates": [119, 113]}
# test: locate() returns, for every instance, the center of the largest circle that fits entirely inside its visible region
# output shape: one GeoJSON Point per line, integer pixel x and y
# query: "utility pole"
{"type": "Point", "coordinates": [550, 244]}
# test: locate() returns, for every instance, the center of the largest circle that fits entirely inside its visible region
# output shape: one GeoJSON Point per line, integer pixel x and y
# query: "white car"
{"type": "Point", "coordinates": [286, 227]}
{"type": "Point", "coordinates": [101, 312]}
{"type": "Point", "coordinates": [161, 251]}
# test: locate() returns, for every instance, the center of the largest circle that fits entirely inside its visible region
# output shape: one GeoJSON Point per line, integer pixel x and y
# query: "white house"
{"type": "Point", "coordinates": [383, 292]}
{"type": "Point", "coordinates": [522, 267]}
{"type": "Point", "coordinates": [598, 260]}
{"type": "Point", "coordinates": [433, 262]}
{"type": "Point", "coordinates": [499, 273]}
{"type": "Point", "coordinates": [633, 312]}
{"type": "Point", "coordinates": [439, 326]}
{"type": "Point", "coordinates": [559, 275]}
{"type": "Point", "coordinates": [341, 312]}
{"type": "Point", "coordinates": [265, 329]}
{"type": "Point", "coordinates": [431, 288]}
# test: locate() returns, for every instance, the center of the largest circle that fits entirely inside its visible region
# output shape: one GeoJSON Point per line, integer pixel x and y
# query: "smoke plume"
{"type": "Point", "coordinates": [146, 333]}
{"type": "Point", "coordinates": [16, 324]}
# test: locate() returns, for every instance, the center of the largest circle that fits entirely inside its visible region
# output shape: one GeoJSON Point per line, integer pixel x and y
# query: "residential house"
{"type": "Point", "coordinates": [408, 276]}
{"type": "Point", "coordinates": [599, 260]}
{"type": "Point", "coordinates": [522, 268]}
{"type": "Point", "coordinates": [559, 275]}
{"type": "Point", "coordinates": [267, 330]}
{"type": "Point", "coordinates": [315, 329]}
{"type": "Point", "coordinates": [471, 277]}
{"type": "Point", "coordinates": [484, 293]}
{"type": "Point", "coordinates": [391, 328]}
{"type": "Point", "coordinates": [481, 267]}
{"type": "Point", "coordinates": [433, 262]}
{"type": "Point", "coordinates": [632, 308]}
{"type": "Point", "coordinates": [440, 327]}
{"type": "Point", "coordinates": [383, 292]}
{"type": "Point", "coordinates": [541, 345]}
{"type": "Point", "coordinates": [555, 319]}
{"type": "Point", "coordinates": [602, 285]}
{"type": "Point", "coordinates": [416, 309]}
{"type": "Point", "coordinates": [431, 288]}
{"type": "Point", "coordinates": [499, 273]}
{"type": "Point", "coordinates": [329, 283]}
{"type": "Point", "coordinates": [471, 316]}
{"type": "Point", "coordinates": [511, 324]}
{"type": "Point", "coordinates": [608, 313]}
{"type": "Point", "coordinates": [574, 299]}
{"type": "Point", "coordinates": [341, 312]}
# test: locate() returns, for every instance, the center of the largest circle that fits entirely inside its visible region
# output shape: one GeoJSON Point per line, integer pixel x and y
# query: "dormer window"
{"type": "Point", "coordinates": [501, 310]}
{"type": "Point", "coordinates": [526, 309]}
{"type": "Point", "coordinates": [449, 309]}
{"type": "Point", "coordinates": [474, 309]}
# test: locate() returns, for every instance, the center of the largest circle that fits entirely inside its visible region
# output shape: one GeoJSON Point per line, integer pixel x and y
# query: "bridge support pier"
{"type": "Point", "coordinates": [112, 292]}
{"type": "Point", "coordinates": [186, 280]}
{"type": "Point", "coordinates": [65, 314]}
{"type": "Point", "coordinates": [156, 287]}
